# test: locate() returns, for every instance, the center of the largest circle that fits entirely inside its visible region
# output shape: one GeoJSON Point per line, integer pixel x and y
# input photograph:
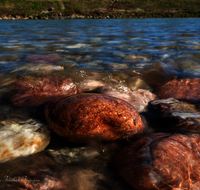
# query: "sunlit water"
{"type": "Point", "coordinates": [119, 49]}
{"type": "Point", "coordinates": [101, 44]}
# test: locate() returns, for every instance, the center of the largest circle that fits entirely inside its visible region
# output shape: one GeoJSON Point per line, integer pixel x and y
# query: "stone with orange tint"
{"type": "Point", "coordinates": [162, 161]}
{"type": "Point", "coordinates": [185, 89]}
{"type": "Point", "coordinates": [35, 90]}
{"type": "Point", "coordinates": [85, 117]}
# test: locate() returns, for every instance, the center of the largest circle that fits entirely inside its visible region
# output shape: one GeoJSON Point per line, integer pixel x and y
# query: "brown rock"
{"type": "Point", "coordinates": [42, 58]}
{"type": "Point", "coordinates": [184, 115]}
{"type": "Point", "coordinates": [84, 117]}
{"type": "Point", "coordinates": [162, 161]}
{"type": "Point", "coordinates": [185, 89]}
{"type": "Point", "coordinates": [35, 90]}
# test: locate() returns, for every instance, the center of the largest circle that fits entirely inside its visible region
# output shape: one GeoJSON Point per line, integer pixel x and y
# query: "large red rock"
{"type": "Point", "coordinates": [35, 90]}
{"type": "Point", "coordinates": [185, 89]}
{"type": "Point", "coordinates": [162, 161]}
{"type": "Point", "coordinates": [84, 117]}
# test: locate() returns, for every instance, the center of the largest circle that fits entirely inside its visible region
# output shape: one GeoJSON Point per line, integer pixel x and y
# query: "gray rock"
{"type": "Point", "coordinates": [183, 115]}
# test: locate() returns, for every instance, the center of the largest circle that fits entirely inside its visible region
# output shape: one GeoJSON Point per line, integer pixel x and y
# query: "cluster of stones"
{"type": "Point", "coordinates": [151, 161]}
{"type": "Point", "coordinates": [162, 160]}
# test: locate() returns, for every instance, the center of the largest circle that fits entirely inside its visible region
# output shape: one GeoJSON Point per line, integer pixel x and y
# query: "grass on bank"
{"type": "Point", "coordinates": [87, 7]}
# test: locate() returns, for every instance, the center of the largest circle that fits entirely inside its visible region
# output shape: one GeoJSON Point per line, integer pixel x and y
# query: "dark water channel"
{"type": "Point", "coordinates": [132, 53]}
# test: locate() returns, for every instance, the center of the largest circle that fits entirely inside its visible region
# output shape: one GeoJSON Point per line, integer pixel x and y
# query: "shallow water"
{"type": "Point", "coordinates": [141, 53]}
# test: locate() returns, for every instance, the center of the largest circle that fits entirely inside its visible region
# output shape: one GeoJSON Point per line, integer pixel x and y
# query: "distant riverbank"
{"type": "Point", "coordinates": [99, 9]}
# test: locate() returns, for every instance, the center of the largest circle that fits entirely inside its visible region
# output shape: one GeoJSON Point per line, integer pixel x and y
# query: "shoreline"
{"type": "Point", "coordinates": [105, 16]}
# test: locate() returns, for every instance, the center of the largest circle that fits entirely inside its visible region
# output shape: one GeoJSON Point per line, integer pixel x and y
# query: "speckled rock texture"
{"type": "Point", "coordinates": [162, 161]}
{"type": "Point", "coordinates": [185, 89]}
{"type": "Point", "coordinates": [184, 115]}
{"type": "Point", "coordinates": [35, 90]}
{"type": "Point", "coordinates": [138, 98]}
{"type": "Point", "coordinates": [33, 180]}
{"type": "Point", "coordinates": [84, 117]}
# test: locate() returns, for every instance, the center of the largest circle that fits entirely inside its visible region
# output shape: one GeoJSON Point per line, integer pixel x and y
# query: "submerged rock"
{"type": "Point", "coordinates": [39, 68]}
{"type": "Point", "coordinates": [184, 115]}
{"type": "Point", "coordinates": [88, 85]}
{"type": "Point", "coordinates": [162, 161]}
{"type": "Point", "coordinates": [139, 98]}
{"type": "Point", "coordinates": [185, 89]}
{"type": "Point", "coordinates": [72, 155]}
{"type": "Point", "coordinates": [86, 117]}
{"type": "Point", "coordinates": [22, 138]}
{"type": "Point", "coordinates": [136, 57]}
{"type": "Point", "coordinates": [33, 179]}
{"type": "Point", "coordinates": [35, 90]}
{"type": "Point", "coordinates": [42, 58]}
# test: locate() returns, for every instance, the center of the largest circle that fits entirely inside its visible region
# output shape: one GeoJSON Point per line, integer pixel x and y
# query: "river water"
{"type": "Point", "coordinates": [127, 51]}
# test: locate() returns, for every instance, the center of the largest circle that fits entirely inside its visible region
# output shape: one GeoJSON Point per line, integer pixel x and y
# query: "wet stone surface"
{"type": "Point", "coordinates": [21, 135]}
{"type": "Point", "coordinates": [38, 68]}
{"type": "Point", "coordinates": [181, 114]}
{"type": "Point", "coordinates": [87, 117]}
{"type": "Point", "coordinates": [73, 155]}
{"type": "Point", "coordinates": [35, 90]}
{"type": "Point", "coordinates": [138, 98]}
{"type": "Point", "coordinates": [185, 89]}
{"type": "Point", "coordinates": [162, 161]}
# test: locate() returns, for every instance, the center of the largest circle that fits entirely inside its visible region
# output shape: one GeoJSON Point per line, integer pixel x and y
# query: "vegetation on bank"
{"type": "Point", "coordinates": [100, 8]}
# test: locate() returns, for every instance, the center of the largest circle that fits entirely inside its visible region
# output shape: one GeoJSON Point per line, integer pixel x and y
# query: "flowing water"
{"type": "Point", "coordinates": [138, 53]}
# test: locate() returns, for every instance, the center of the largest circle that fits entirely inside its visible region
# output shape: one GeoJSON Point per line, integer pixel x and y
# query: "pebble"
{"type": "Point", "coordinates": [185, 90]}
{"type": "Point", "coordinates": [22, 139]}
{"type": "Point", "coordinates": [39, 68]}
{"type": "Point", "coordinates": [136, 57]}
{"type": "Point", "coordinates": [138, 98]}
{"type": "Point", "coordinates": [181, 114]}
{"type": "Point", "coordinates": [35, 90]}
{"type": "Point", "coordinates": [42, 58]}
{"type": "Point", "coordinates": [72, 155]}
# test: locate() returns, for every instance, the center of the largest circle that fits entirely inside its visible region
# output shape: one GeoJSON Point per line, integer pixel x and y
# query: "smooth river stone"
{"type": "Point", "coordinates": [33, 180]}
{"type": "Point", "coordinates": [23, 139]}
{"type": "Point", "coordinates": [181, 114]}
{"type": "Point", "coordinates": [35, 90]}
{"type": "Point", "coordinates": [138, 98]}
{"type": "Point", "coordinates": [185, 89]}
{"type": "Point", "coordinates": [86, 117]}
{"type": "Point", "coordinates": [39, 68]}
{"type": "Point", "coordinates": [162, 161]}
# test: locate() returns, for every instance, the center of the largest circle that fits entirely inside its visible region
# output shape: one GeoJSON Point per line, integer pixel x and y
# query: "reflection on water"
{"type": "Point", "coordinates": [126, 54]}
